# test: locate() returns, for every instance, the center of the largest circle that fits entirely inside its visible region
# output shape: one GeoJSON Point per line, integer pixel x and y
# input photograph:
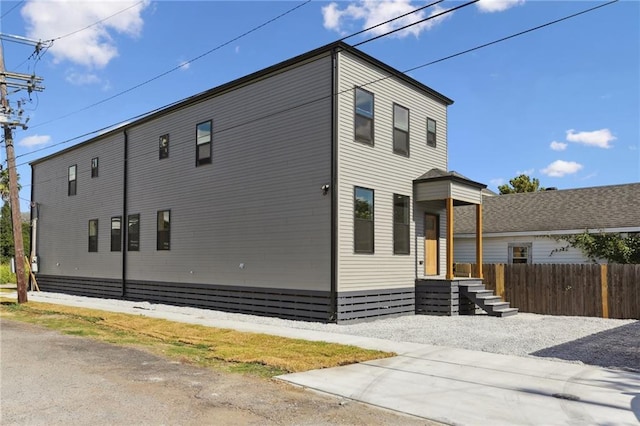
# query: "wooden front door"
{"type": "Point", "coordinates": [430, 244]}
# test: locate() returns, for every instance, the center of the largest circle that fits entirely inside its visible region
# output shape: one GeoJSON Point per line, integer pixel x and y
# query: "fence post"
{"type": "Point", "coordinates": [604, 287]}
{"type": "Point", "coordinates": [500, 280]}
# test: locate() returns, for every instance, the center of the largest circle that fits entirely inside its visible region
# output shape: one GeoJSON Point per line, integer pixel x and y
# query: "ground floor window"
{"type": "Point", "coordinates": [93, 235]}
{"type": "Point", "coordinates": [519, 252]}
{"type": "Point", "coordinates": [116, 233]}
{"type": "Point", "coordinates": [363, 226]}
{"type": "Point", "coordinates": [401, 225]}
{"type": "Point", "coordinates": [163, 241]}
{"type": "Point", "coordinates": [133, 232]}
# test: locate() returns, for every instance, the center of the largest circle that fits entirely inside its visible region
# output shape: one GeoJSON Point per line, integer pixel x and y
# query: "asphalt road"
{"type": "Point", "coordinates": [51, 379]}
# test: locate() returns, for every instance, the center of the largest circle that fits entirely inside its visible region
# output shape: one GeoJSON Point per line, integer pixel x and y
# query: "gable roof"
{"type": "Point", "coordinates": [600, 207]}
{"type": "Point", "coordinates": [323, 51]}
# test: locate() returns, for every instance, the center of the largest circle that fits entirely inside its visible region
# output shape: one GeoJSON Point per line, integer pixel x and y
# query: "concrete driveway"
{"type": "Point", "coordinates": [463, 387]}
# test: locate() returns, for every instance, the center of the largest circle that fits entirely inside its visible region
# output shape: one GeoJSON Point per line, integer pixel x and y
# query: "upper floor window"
{"type": "Point", "coordinates": [72, 182]}
{"type": "Point", "coordinates": [401, 225]}
{"type": "Point", "coordinates": [164, 146]}
{"type": "Point", "coordinates": [364, 116]}
{"type": "Point", "coordinates": [93, 235]}
{"type": "Point", "coordinates": [400, 130]}
{"type": "Point", "coordinates": [520, 252]}
{"type": "Point", "coordinates": [94, 167]}
{"type": "Point", "coordinates": [203, 143]}
{"type": "Point", "coordinates": [116, 233]}
{"type": "Point", "coordinates": [363, 227]}
{"type": "Point", "coordinates": [163, 241]}
{"type": "Point", "coordinates": [431, 132]}
{"type": "Point", "coordinates": [133, 232]}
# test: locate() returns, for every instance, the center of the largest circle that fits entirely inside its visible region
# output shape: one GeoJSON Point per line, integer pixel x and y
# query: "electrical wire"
{"type": "Point", "coordinates": [225, 44]}
{"type": "Point", "coordinates": [176, 102]}
{"type": "Point", "coordinates": [11, 10]}
{"type": "Point", "coordinates": [269, 115]}
{"type": "Point", "coordinates": [96, 23]}
{"type": "Point", "coordinates": [417, 22]}
{"type": "Point", "coordinates": [246, 33]}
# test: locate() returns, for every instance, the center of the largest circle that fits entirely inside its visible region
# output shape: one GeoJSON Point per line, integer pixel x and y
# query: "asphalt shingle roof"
{"type": "Point", "coordinates": [599, 207]}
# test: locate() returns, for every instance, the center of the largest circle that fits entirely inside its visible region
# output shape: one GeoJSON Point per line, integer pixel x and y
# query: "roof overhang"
{"type": "Point", "coordinates": [438, 185]}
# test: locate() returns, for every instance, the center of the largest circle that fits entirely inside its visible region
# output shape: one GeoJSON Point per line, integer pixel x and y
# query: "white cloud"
{"type": "Point", "coordinates": [600, 138]}
{"type": "Point", "coordinates": [92, 47]}
{"type": "Point", "coordinates": [491, 6]}
{"type": "Point", "coordinates": [559, 168]}
{"type": "Point", "coordinates": [558, 146]}
{"type": "Point", "coordinates": [81, 79]}
{"type": "Point", "coordinates": [184, 65]}
{"type": "Point", "coordinates": [35, 140]}
{"type": "Point", "coordinates": [527, 172]}
{"type": "Point", "coordinates": [497, 182]}
{"type": "Point", "coordinates": [633, 148]}
{"type": "Point", "coordinates": [373, 12]}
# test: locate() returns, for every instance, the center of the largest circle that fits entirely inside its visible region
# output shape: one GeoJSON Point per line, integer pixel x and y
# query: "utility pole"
{"type": "Point", "coordinates": [9, 120]}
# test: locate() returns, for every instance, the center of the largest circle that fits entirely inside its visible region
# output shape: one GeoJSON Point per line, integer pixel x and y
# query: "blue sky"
{"type": "Point", "coordinates": [561, 103]}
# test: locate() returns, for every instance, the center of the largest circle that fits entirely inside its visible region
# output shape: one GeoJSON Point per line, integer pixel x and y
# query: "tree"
{"type": "Point", "coordinates": [7, 249]}
{"type": "Point", "coordinates": [4, 184]}
{"type": "Point", "coordinates": [522, 183]}
{"type": "Point", "coordinates": [613, 247]}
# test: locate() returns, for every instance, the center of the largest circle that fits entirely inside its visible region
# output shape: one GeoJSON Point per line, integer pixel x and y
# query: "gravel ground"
{"type": "Point", "coordinates": [596, 341]}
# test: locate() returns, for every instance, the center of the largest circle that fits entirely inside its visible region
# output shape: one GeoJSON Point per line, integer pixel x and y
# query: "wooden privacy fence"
{"type": "Point", "coordinates": [607, 291]}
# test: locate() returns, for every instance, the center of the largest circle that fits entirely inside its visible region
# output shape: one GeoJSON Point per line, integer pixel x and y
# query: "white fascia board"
{"type": "Point", "coordinates": [547, 233]}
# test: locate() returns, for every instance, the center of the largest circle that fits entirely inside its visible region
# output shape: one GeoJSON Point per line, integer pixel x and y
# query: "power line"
{"type": "Point", "coordinates": [176, 102]}
{"type": "Point", "coordinates": [269, 115]}
{"type": "Point", "coordinates": [11, 10]}
{"type": "Point", "coordinates": [246, 33]}
{"type": "Point", "coordinates": [391, 20]}
{"type": "Point", "coordinates": [512, 36]}
{"type": "Point", "coordinates": [96, 23]}
{"type": "Point", "coordinates": [417, 22]}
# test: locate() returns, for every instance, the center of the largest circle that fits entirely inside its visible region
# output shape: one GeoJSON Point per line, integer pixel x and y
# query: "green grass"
{"type": "Point", "coordinates": [6, 276]}
{"type": "Point", "coordinates": [221, 349]}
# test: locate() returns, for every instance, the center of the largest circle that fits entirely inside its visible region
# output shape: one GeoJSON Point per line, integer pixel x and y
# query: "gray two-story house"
{"type": "Point", "coordinates": [313, 189]}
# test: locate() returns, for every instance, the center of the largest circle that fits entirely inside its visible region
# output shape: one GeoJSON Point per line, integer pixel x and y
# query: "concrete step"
{"type": "Point", "coordinates": [503, 313]}
{"type": "Point", "coordinates": [487, 300]}
{"type": "Point", "coordinates": [495, 306]}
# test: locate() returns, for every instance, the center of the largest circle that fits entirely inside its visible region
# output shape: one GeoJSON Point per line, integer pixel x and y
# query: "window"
{"type": "Point", "coordinates": [133, 233]}
{"type": "Point", "coordinates": [519, 252]}
{"type": "Point", "coordinates": [94, 167]}
{"type": "Point", "coordinates": [401, 225]}
{"type": "Point", "coordinates": [71, 188]}
{"type": "Point", "coordinates": [400, 130]}
{"type": "Point", "coordinates": [164, 146]}
{"type": "Point", "coordinates": [116, 233]}
{"type": "Point", "coordinates": [93, 235]}
{"type": "Point", "coordinates": [363, 220]}
{"type": "Point", "coordinates": [163, 239]}
{"type": "Point", "coordinates": [203, 143]}
{"type": "Point", "coordinates": [431, 132]}
{"type": "Point", "coordinates": [364, 116]}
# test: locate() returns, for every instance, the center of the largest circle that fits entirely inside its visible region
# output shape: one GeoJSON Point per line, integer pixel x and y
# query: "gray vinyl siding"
{"type": "Point", "coordinates": [378, 168]}
{"type": "Point", "coordinates": [466, 193]}
{"type": "Point", "coordinates": [496, 250]}
{"type": "Point", "coordinates": [259, 204]}
{"type": "Point", "coordinates": [62, 237]}
{"type": "Point", "coordinates": [429, 191]}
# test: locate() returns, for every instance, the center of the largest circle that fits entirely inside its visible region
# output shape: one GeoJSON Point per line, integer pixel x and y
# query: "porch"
{"type": "Point", "coordinates": [452, 291]}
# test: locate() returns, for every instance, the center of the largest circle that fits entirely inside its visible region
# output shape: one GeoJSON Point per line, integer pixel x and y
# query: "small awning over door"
{"type": "Point", "coordinates": [456, 190]}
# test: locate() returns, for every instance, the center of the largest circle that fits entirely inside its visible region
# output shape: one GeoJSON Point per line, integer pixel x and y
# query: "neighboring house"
{"type": "Point", "coordinates": [299, 191]}
{"type": "Point", "coordinates": [523, 228]}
